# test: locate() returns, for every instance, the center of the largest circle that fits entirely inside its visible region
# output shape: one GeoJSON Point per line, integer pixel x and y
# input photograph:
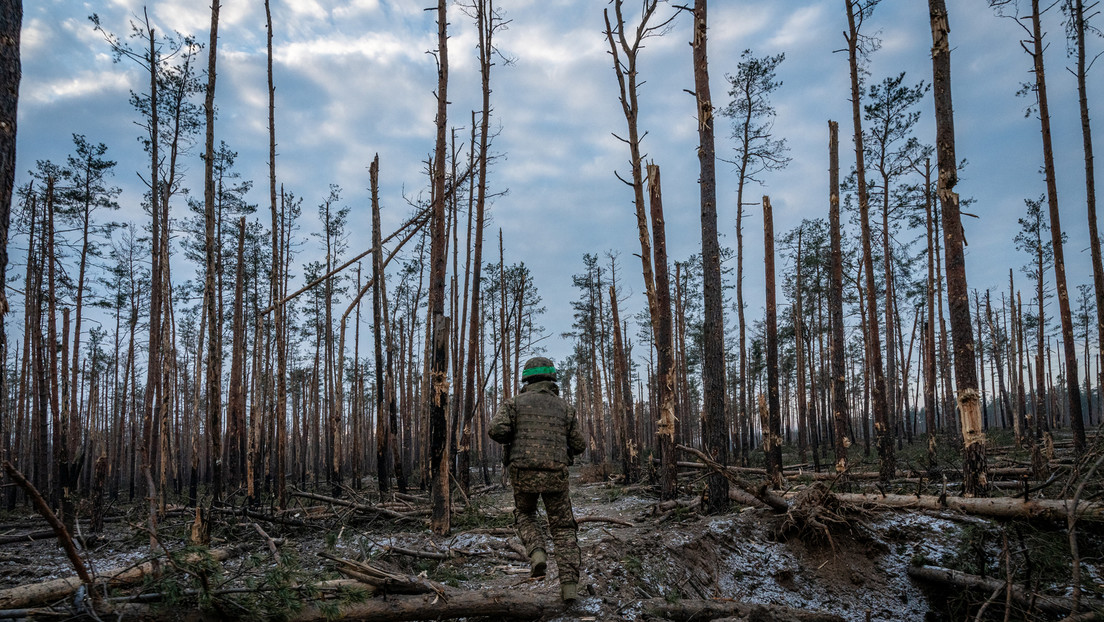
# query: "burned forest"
{"type": "Point", "coordinates": [271, 271]}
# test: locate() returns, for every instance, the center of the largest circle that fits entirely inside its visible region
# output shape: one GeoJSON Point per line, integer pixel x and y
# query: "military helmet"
{"type": "Point", "coordinates": [538, 368]}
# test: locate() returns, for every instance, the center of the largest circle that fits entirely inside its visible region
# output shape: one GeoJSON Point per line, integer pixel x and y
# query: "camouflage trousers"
{"type": "Point", "coordinates": [561, 521]}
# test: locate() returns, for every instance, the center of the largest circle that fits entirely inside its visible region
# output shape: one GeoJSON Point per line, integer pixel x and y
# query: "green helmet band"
{"type": "Point", "coordinates": [539, 371]}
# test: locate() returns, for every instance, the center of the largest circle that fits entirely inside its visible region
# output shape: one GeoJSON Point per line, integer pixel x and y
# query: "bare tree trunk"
{"type": "Point", "coordinates": [658, 296]}
{"type": "Point", "coordinates": [804, 427]}
{"type": "Point", "coordinates": [882, 429]}
{"type": "Point", "coordinates": [214, 323]}
{"type": "Point", "coordinates": [235, 411]}
{"type": "Point", "coordinates": [772, 434]}
{"type": "Point", "coordinates": [975, 478]}
{"type": "Point", "coordinates": [1090, 177]}
{"type": "Point", "coordinates": [714, 428]}
{"type": "Point", "coordinates": [835, 308]}
{"type": "Point", "coordinates": [929, 326]}
{"type": "Point", "coordinates": [11, 21]}
{"type": "Point", "coordinates": [280, 397]}
{"type": "Point", "coordinates": [665, 426]}
{"type": "Point", "coordinates": [439, 323]}
{"type": "Point", "coordinates": [1073, 386]}
{"type": "Point", "coordinates": [384, 466]}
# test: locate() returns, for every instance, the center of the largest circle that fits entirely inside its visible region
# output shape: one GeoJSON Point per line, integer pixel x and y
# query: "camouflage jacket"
{"type": "Point", "coordinates": [538, 428]}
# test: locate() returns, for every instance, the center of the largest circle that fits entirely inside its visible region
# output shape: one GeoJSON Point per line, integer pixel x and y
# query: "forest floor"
{"type": "Point", "coordinates": [634, 555]}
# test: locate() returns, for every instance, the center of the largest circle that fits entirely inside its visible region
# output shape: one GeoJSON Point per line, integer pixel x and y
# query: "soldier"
{"type": "Point", "coordinates": [540, 436]}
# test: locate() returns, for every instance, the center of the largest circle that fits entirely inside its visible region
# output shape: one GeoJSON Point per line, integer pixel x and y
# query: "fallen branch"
{"type": "Point", "coordinates": [59, 529]}
{"type": "Point", "coordinates": [360, 507]}
{"type": "Point", "coordinates": [13, 538]}
{"type": "Point", "coordinates": [604, 519]}
{"type": "Point", "coordinates": [700, 610]}
{"type": "Point", "coordinates": [776, 502]}
{"type": "Point", "coordinates": [384, 581]}
{"type": "Point", "coordinates": [56, 589]}
{"type": "Point", "coordinates": [1044, 602]}
{"type": "Point", "coordinates": [993, 507]}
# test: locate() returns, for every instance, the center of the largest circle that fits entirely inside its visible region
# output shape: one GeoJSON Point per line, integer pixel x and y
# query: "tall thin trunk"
{"type": "Point", "coordinates": [1090, 179]}
{"type": "Point", "coordinates": [652, 261]}
{"type": "Point", "coordinates": [235, 412]}
{"type": "Point", "coordinates": [975, 478]}
{"type": "Point", "coordinates": [835, 308]}
{"type": "Point", "coordinates": [438, 322]}
{"type": "Point", "coordinates": [714, 428]}
{"type": "Point", "coordinates": [214, 323]}
{"type": "Point", "coordinates": [664, 340]}
{"type": "Point", "coordinates": [280, 405]}
{"type": "Point", "coordinates": [929, 327]}
{"type": "Point", "coordinates": [1073, 386]}
{"type": "Point", "coordinates": [803, 427]}
{"type": "Point", "coordinates": [11, 22]}
{"type": "Point", "coordinates": [772, 443]}
{"type": "Point", "coordinates": [882, 428]}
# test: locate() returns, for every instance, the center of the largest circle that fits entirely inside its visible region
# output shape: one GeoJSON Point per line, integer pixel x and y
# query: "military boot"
{"type": "Point", "coordinates": [538, 563]}
{"type": "Point", "coordinates": [569, 592]}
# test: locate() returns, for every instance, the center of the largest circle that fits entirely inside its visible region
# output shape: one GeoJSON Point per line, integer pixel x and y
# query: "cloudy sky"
{"type": "Point", "coordinates": [354, 78]}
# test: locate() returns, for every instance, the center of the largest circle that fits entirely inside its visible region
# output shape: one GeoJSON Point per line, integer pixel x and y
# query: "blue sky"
{"type": "Point", "coordinates": [354, 78]}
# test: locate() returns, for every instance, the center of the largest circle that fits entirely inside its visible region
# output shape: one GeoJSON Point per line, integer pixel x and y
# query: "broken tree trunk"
{"type": "Point", "coordinates": [761, 493]}
{"type": "Point", "coordinates": [997, 507]}
{"type": "Point", "coordinates": [56, 589]}
{"type": "Point", "coordinates": [491, 604]}
{"type": "Point", "coordinates": [1044, 602]}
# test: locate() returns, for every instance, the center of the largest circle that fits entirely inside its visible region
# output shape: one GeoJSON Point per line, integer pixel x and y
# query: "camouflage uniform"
{"type": "Point", "coordinates": [541, 438]}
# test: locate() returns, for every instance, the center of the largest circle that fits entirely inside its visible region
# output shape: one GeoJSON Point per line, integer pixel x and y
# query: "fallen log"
{"type": "Point", "coordinates": [1043, 602]}
{"type": "Point", "coordinates": [993, 507]}
{"type": "Point", "coordinates": [603, 519]}
{"type": "Point", "coordinates": [34, 594]}
{"type": "Point", "coordinates": [13, 538]}
{"type": "Point", "coordinates": [699, 610]}
{"type": "Point", "coordinates": [492, 604]}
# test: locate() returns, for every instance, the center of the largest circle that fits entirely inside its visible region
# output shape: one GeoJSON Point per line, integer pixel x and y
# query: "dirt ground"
{"type": "Point", "coordinates": [859, 575]}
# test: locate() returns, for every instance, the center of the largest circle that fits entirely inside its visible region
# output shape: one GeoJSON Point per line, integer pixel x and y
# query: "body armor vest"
{"type": "Point", "coordinates": [540, 436]}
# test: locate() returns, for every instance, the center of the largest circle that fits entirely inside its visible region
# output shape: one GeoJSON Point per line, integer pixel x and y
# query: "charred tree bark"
{"type": "Point", "coordinates": [214, 324]}
{"type": "Point", "coordinates": [714, 427]}
{"type": "Point", "coordinates": [11, 22]}
{"type": "Point", "coordinates": [975, 479]}
{"type": "Point", "coordinates": [664, 341]}
{"type": "Point", "coordinates": [772, 435]}
{"type": "Point", "coordinates": [835, 308]}
{"type": "Point", "coordinates": [439, 323]}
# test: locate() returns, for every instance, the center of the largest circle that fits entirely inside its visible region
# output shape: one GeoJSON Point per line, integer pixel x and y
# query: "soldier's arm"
{"type": "Point", "coordinates": [502, 424]}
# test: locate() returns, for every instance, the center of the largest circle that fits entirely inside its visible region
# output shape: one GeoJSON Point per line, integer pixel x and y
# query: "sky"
{"type": "Point", "coordinates": [356, 78]}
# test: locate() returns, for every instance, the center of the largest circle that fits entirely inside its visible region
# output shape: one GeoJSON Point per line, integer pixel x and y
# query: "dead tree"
{"type": "Point", "coordinates": [857, 12]}
{"type": "Point", "coordinates": [1073, 387]}
{"type": "Point", "coordinates": [653, 262]}
{"type": "Point", "coordinates": [975, 478]}
{"type": "Point", "coordinates": [11, 21]}
{"type": "Point", "coordinates": [1076, 29]}
{"type": "Point", "coordinates": [438, 323]}
{"type": "Point", "coordinates": [838, 387]}
{"type": "Point", "coordinates": [714, 425]}
{"type": "Point", "coordinates": [772, 435]}
{"type": "Point", "coordinates": [214, 324]}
